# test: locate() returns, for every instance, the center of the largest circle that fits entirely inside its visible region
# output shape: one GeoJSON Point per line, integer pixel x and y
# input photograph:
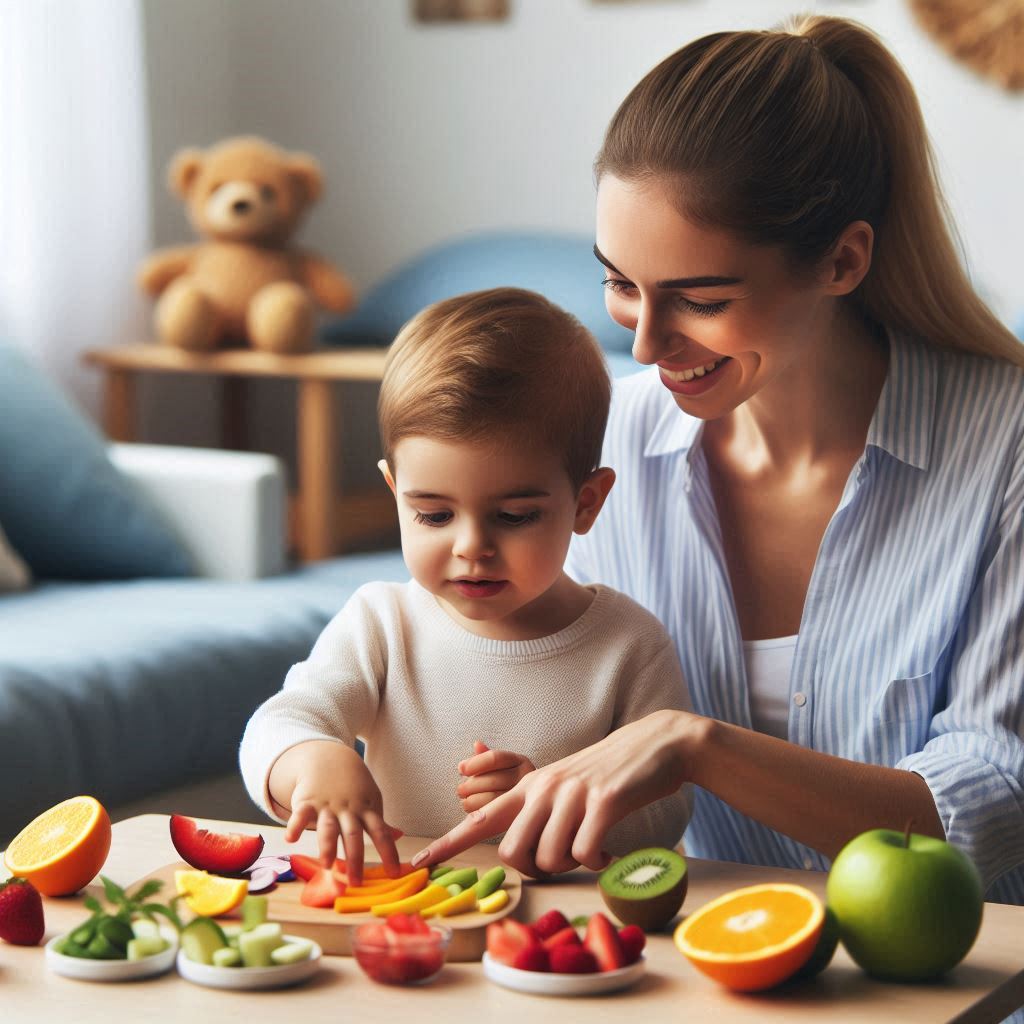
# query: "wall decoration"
{"type": "Point", "coordinates": [461, 10]}
{"type": "Point", "coordinates": [987, 35]}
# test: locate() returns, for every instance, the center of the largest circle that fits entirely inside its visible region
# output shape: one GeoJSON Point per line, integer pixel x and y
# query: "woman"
{"type": "Point", "coordinates": [821, 484]}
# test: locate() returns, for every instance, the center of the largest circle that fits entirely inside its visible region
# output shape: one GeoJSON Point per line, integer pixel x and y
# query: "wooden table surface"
{"type": "Point", "coordinates": [984, 988]}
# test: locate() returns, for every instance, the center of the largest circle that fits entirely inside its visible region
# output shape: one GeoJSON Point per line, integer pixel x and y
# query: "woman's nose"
{"type": "Point", "coordinates": [472, 542]}
{"type": "Point", "coordinates": [653, 336]}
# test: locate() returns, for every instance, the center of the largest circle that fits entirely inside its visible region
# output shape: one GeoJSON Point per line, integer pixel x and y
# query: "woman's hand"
{"type": "Point", "coordinates": [556, 817]}
{"type": "Point", "coordinates": [489, 773]}
{"type": "Point", "coordinates": [333, 791]}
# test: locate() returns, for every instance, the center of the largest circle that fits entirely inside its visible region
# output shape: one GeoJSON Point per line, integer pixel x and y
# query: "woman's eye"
{"type": "Point", "coordinates": [433, 518]}
{"type": "Point", "coordinates": [613, 284]}
{"type": "Point", "coordinates": [518, 519]}
{"type": "Point", "coordinates": [701, 308]}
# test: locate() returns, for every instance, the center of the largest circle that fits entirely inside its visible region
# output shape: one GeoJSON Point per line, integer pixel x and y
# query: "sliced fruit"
{"type": "Point", "coordinates": [257, 945]}
{"type": "Point", "coordinates": [201, 938]}
{"type": "Point", "coordinates": [506, 939]}
{"type": "Point", "coordinates": [375, 872]}
{"type": "Point", "coordinates": [646, 887]}
{"type": "Point", "coordinates": [493, 903]}
{"type": "Point", "coordinates": [322, 889]}
{"type": "Point", "coordinates": [433, 893]}
{"type": "Point", "coordinates": [462, 903]}
{"type": "Point", "coordinates": [209, 895]}
{"type": "Point", "coordinates": [305, 867]}
{"type": "Point", "coordinates": [572, 960]}
{"type": "Point", "coordinates": [547, 924]}
{"type": "Point", "coordinates": [220, 853]}
{"type": "Point", "coordinates": [603, 941]}
{"type": "Point", "coordinates": [411, 885]}
{"type": "Point", "coordinates": [227, 957]}
{"type": "Point", "coordinates": [567, 936]}
{"type": "Point", "coordinates": [753, 938]}
{"type": "Point", "coordinates": [633, 940]}
{"type": "Point", "coordinates": [63, 849]}
{"type": "Point", "coordinates": [489, 882]}
{"type": "Point", "coordinates": [291, 952]}
{"type": "Point", "coordinates": [406, 924]}
{"type": "Point", "coordinates": [532, 958]}
{"type": "Point", "coordinates": [375, 888]}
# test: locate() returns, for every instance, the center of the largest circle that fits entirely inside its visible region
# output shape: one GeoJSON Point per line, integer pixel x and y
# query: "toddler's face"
{"type": "Point", "coordinates": [486, 530]}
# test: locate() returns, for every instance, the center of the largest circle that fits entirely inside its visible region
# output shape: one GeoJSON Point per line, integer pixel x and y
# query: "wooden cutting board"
{"type": "Point", "coordinates": [333, 930]}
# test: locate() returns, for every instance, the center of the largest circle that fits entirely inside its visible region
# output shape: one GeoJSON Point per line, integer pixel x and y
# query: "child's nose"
{"type": "Point", "coordinates": [472, 542]}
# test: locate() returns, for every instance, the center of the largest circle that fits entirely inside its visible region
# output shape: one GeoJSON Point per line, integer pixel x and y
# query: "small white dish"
{"type": "Point", "coordinates": [278, 976]}
{"type": "Point", "coordinates": [543, 983]}
{"type": "Point", "coordinates": [112, 970]}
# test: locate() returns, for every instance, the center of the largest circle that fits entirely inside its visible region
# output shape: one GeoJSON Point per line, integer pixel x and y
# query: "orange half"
{"type": "Point", "coordinates": [753, 938]}
{"type": "Point", "coordinates": [64, 848]}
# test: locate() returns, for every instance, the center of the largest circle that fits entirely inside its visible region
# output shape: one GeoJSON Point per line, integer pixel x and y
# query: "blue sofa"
{"type": "Point", "coordinates": [123, 672]}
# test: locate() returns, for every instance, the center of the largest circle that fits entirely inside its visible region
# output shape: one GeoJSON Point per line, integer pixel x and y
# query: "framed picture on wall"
{"type": "Point", "coordinates": [461, 10]}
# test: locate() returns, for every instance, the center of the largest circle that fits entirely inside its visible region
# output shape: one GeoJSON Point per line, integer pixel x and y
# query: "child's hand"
{"type": "Point", "coordinates": [335, 793]}
{"type": "Point", "coordinates": [488, 774]}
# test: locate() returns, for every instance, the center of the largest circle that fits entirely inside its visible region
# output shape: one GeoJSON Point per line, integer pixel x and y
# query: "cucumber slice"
{"type": "Point", "coordinates": [142, 928]}
{"type": "Point", "coordinates": [227, 957]}
{"type": "Point", "coordinates": [231, 930]}
{"type": "Point", "coordinates": [200, 938]}
{"type": "Point", "coordinates": [453, 889]}
{"type": "Point", "coordinates": [257, 945]}
{"type": "Point", "coordinates": [292, 952]}
{"type": "Point", "coordinates": [441, 869]}
{"type": "Point", "coordinates": [254, 912]}
{"type": "Point", "coordinates": [146, 945]}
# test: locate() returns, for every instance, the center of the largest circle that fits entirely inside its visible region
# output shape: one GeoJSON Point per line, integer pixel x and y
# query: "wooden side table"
{"type": "Point", "coordinates": [323, 522]}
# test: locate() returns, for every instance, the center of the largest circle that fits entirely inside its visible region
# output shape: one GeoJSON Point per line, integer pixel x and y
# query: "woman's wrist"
{"type": "Point", "coordinates": [690, 737]}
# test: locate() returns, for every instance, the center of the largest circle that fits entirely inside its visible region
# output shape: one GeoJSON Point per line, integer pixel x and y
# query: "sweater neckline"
{"type": "Point", "coordinates": [542, 646]}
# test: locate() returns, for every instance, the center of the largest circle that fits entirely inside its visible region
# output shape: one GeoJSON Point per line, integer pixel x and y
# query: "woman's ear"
{"type": "Point", "coordinates": [850, 259]}
{"type": "Point", "coordinates": [591, 497]}
{"type": "Point", "coordinates": [386, 473]}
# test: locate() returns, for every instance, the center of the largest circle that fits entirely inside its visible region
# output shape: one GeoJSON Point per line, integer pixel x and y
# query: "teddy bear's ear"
{"type": "Point", "coordinates": [185, 165]}
{"type": "Point", "coordinates": [305, 172]}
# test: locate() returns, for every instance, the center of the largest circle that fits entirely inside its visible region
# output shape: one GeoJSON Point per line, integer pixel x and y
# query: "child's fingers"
{"type": "Point", "coordinates": [495, 782]}
{"type": "Point", "coordinates": [301, 818]}
{"type": "Point", "coordinates": [352, 838]}
{"type": "Point", "coordinates": [489, 761]}
{"type": "Point", "coordinates": [327, 836]}
{"type": "Point", "coordinates": [383, 838]}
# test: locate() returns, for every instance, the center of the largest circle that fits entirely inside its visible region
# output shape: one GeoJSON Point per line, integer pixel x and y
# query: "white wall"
{"type": "Point", "coordinates": [430, 130]}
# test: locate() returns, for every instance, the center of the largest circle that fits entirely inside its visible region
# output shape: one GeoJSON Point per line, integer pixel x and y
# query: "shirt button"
{"type": "Point", "coordinates": [799, 700]}
{"type": "Point", "coordinates": [808, 863]}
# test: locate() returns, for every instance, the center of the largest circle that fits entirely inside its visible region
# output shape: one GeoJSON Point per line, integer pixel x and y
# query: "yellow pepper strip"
{"type": "Point", "coordinates": [493, 903]}
{"type": "Point", "coordinates": [375, 888]}
{"type": "Point", "coordinates": [429, 896]}
{"type": "Point", "coordinates": [461, 904]}
{"type": "Point", "coordinates": [361, 904]}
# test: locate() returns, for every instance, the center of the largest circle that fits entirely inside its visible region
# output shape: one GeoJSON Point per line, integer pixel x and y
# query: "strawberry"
{"type": "Point", "coordinates": [506, 939]}
{"type": "Point", "coordinates": [531, 958]}
{"type": "Point", "coordinates": [21, 913]}
{"type": "Point", "coordinates": [322, 889]}
{"type": "Point", "coordinates": [633, 940]}
{"type": "Point", "coordinates": [547, 924]}
{"type": "Point", "coordinates": [603, 941]}
{"type": "Point", "coordinates": [573, 960]}
{"type": "Point", "coordinates": [407, 924]}
{"type": "Point", "coordinates": [563, 937]}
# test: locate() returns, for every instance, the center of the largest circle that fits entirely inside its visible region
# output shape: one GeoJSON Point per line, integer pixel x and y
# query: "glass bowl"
{"type": "Point", "coordinates": [392, 953]}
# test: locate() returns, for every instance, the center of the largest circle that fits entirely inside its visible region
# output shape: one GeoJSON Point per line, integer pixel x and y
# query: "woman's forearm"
{"type": "Point", "coordinates": [817, 799]}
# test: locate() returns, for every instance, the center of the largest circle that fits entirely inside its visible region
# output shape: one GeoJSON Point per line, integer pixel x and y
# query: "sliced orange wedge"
{"type": "Point", "coordinates": [753, 938]}
{"type": "Point", "coordinates": [209, 895]}
{"type": "Point", "coordinates": [64, 848]}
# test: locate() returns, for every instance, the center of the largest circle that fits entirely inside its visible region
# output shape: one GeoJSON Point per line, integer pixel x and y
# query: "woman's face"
{"type": "Point", "coordinates": [722, 319]}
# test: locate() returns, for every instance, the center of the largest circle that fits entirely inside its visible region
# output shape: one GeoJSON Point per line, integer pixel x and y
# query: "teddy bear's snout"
{"type": "Point", "coordinates": [238, 209]}
{"type": "Point", "coordinates": [241, 207]}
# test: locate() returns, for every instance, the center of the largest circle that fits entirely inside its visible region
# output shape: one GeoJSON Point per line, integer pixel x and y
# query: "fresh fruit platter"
{"type": "Point", "coordinates": [309, 901]}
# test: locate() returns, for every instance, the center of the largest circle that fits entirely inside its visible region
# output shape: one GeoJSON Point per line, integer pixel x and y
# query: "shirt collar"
{"type": "Point", "coordinates": [902, 425]}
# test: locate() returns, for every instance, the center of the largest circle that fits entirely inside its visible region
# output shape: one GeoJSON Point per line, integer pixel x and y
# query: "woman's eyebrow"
{"type": "Point", "coordinates": [707, 281]}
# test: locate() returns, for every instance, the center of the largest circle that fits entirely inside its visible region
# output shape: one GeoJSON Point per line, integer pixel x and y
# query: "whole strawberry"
{"type": "Point", "coordinates": [21, 913]}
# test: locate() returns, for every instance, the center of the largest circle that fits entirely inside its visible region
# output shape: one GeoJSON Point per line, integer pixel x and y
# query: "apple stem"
{"type": "Point", "coordinates": [906, 833]}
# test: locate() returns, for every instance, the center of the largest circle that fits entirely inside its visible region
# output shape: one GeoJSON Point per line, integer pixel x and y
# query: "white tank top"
{"type": "Point", "coordinates": [768, 667]}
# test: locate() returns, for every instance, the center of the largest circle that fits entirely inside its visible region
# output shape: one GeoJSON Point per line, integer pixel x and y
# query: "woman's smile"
{"type": "Point", "coordinates": [693, 380]}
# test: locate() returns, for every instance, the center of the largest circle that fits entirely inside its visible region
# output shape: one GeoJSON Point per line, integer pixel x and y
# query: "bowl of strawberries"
{"type": "Point", "coordinates": [555, 957]}
{"type": "Point", "coordinates": [402, 950]}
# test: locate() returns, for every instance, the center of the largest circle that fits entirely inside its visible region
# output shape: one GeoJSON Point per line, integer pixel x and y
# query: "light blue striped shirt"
{"type": "Point", "coordinates": [911, 644]}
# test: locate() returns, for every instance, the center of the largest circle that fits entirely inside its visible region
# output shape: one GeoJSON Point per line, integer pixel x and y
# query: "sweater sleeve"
{"type": "Point", "coordinates": [657, 685]}
{"type": "Point", "coordinates": [333, 695]}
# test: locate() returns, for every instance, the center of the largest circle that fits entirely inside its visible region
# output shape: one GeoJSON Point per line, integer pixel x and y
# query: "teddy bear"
{"type": "Point", "coordinates": [244, 283]}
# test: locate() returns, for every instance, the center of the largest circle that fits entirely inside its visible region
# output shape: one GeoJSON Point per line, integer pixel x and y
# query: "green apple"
{"type": "Point", "coordinates": [909, 906]}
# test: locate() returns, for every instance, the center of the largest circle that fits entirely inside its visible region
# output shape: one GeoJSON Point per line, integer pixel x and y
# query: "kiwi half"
{"type": "Point", "coordinates": [645, 888]}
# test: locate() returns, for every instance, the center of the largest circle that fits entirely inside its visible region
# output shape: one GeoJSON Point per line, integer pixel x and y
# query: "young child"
{"type": "Point", "coordinates": [492, 414]}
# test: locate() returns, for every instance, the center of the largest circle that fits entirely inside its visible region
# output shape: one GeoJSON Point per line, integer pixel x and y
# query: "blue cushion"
{"type": "Point", "coordinates": [64, 507]}
{"type": "Point", "coordinates": [559, 266]}
{"type": "Point", "coordinates": [125, 689]}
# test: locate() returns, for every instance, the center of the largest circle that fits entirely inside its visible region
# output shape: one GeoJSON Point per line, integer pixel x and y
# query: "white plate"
{"type": "Point", "coordinates": [544, 983]}
{"type": "Point", "coordinates": [112, 970]}
{"type": "Point", "coordinates": [277, 976]}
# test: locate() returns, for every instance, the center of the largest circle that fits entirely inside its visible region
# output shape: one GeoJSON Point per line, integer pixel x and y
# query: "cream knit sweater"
{"type": "Point", "coordinates": [395, 670]}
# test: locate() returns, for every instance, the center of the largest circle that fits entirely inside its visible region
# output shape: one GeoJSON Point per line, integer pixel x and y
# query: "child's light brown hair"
{"type": "Point", "coordinates": [503, 365]}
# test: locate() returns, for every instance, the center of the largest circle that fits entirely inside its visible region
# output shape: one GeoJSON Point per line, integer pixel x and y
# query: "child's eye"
{"type": "Point", "coordinates": [433, 518]}
{"type": "Point", "coordinates": [701, 308]}
{"type": "Point", "coordinates": [518, 519]}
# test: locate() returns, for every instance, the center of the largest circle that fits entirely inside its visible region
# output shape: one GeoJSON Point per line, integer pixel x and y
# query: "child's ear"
{"type": "Point", "coordinates": [385, 471]}
{"type": "Point", "coordinates": [591, 497]}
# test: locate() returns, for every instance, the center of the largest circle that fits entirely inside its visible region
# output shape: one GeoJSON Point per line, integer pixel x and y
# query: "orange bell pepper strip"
{"type": "Point", "coordinates": [409, 886]}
